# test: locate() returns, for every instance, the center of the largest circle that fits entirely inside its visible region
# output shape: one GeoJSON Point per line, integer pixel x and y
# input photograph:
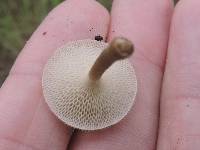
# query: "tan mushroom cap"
{"type": "Point", "coordinates": [75, 99]}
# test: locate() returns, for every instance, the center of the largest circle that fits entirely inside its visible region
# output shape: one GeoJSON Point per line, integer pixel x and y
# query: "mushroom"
{"type": "Point", "coordinates": [88, 88]}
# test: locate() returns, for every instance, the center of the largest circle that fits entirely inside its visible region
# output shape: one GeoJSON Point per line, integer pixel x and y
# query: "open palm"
{"type": "Point", "coordinates": [164, 118]}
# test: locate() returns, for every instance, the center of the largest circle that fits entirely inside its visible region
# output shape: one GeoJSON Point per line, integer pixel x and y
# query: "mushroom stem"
{"type": "Point", "coordinates": [119, 48]}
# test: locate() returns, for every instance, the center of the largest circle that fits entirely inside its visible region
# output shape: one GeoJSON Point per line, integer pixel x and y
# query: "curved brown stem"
{"type": "Point", "coordinates": [119, 48]}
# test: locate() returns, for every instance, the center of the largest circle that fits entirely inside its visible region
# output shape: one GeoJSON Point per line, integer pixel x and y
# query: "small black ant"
{"type": "Point", "coordinates": [98, 38]}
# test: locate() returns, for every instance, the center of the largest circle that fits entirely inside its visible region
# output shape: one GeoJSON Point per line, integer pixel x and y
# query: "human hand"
{"type": "Point", "coordinates": [27, 123]}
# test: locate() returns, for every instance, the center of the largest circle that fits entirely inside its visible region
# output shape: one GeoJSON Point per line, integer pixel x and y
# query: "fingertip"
{"type": "Point", "coordinates": [146, 24]}
{"type": "Point", "coordinates": [71, 20]}
{"type": "Point", "coordinates": [97, 6]}
{"type": "Point", "coordinates": [187, 12]}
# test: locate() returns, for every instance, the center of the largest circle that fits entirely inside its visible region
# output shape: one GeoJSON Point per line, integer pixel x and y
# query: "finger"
{"type": "Point", "coordinates": [25, 120]}
{"type": "Point", "coordinates": [149, 32]}
{"type": "Point", "coordinates": [180, 124]}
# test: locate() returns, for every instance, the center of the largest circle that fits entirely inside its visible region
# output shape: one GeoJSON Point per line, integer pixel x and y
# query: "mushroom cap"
{"type": "Point", "coordinates": [75, 99]}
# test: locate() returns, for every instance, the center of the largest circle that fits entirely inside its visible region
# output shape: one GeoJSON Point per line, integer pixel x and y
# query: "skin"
{"type": "Point", "coordinates": [165, 115]}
